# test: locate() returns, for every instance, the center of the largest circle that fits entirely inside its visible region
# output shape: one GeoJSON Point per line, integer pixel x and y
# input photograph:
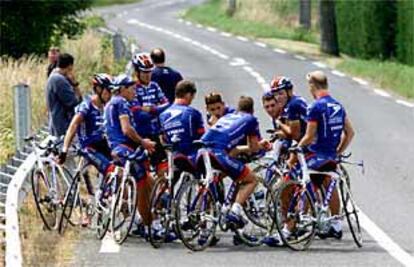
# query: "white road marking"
{"type": "Point", "coordinates": [385, 241]}
{"type": "Point", "coordinates": [242, 38]}
{"type": "Point", "coordinates": [180, 20]}
{"type": "Point", "coordinates": [211, 29]}
{"type": "Point", "coordinates": [189, 23]}
{"type": "Point", "coordinates": [405, 103]}
{"type": "Point", "coordinates": [280, 51]}
{"type": "Point", "coordinates": [299, 57]}
{"type": "Point", "coordinates": [338, 73]}
{"type": "Point", "coordinates": [382, 93]}
{"type": "Point", "coordinates": [319, 64]}
{"type": "Point", "coordinates": [237, 61]}
{"type": "Point", "coordinates": [360, 81]}
{"type": "Point", "coordinates": [199, 25]}
{"type": "Point", "coordinates": [109, 245]}
{"type": "Point", "coordinates": [248, 68]}
{"type": "Point", "coordinates": [260, 44]}
{"type": "Point", "coordinates": [225, 34]}
{"type": "Point", "coordinates": [137, 9]}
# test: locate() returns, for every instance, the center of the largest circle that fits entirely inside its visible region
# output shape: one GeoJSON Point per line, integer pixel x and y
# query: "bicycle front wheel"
{"type": "Point", "coordinates": [124, 210]}
{"type": "Point", "coordinates": [295, 215]}
{"type": "Point", "coordinates": [351, 213]}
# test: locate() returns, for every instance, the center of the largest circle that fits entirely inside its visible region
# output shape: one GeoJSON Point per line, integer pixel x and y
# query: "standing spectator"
{"type": "Point", "coordinates": [166, 77]}
{"type": "Point", "coordinates": [62, 95]}
{"type": "Point", "coordinates": [52, 56]}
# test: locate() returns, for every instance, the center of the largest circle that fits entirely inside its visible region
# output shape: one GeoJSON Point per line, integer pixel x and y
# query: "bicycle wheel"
{"type": "Point", "coordinates": [160, 213]}
{"type": "Point", "coordinates": [124, 210]}
{"type": "Point", "coordinates": [196, 216]}
{"type": "Point", "coordinates": [41, 188]}
{"type": "Point", "coordinates": [295, 210]}
{"type": "Point", "coordinates": [351, 213]}
{"type": "Point", "coordinates": [256, 206]}
{"type": "Point", "coordinates": [346, 178]}
{"type": "Point", "coordinates": [71, 200]}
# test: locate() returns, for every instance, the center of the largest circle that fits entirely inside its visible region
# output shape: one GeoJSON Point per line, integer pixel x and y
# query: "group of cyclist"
{"type": "Point", "coordinates": [125, 114]}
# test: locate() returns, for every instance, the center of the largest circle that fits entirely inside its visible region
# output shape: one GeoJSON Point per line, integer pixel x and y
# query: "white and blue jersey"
{"type": "Point", "coordinates": [91, 130]}
{"type": "Point", "coordinates": [147, 123]}
{"type": "Point", "coordinates": [227, 110]}
{"type": "Point", "coordinates": [182, 122]}
{"type": "Point", "coordinates": [330, 116]}
{"type": "Point", "coordinates": [116, 107]}
{"type": "Point", "coordinates": [232, 130]}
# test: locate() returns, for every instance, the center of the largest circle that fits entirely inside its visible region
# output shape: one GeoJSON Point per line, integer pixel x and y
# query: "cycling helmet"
{"type": "Point", "coordinates": [142, 62]}
{"type": "Point", "coordinates": [280, 83]}
{"type": "Point", "coordinates": [102, 79]}
{"type": "Point", "coordinates": [121, 80]}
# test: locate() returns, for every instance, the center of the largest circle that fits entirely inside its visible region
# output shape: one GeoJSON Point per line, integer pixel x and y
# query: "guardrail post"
{"type": "Point", "coordinates": [231, 7]}
{"type": "Point", "coordinates": [22, 113]}
{"type": "Point", "coordinates": [119, 47]}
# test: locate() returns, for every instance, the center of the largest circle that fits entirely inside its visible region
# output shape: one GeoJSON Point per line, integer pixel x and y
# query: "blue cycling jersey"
{"type": "Point", "coordinates": [296, 109]}
{"type": "Point", "coordinates": [232, 130]}
{"type": "Point", "coordinates": [182, 122]}
{"type": "Point", "coordinates": [91, 130]}
{"type": "Point", "coordinates": [147, 123]}
{"type": "Point", "coordinates": [330, 116]}
{"type": "Point", "coordinates": [116, 107]}
{"type": "Point", "coordinates": [227, 110]}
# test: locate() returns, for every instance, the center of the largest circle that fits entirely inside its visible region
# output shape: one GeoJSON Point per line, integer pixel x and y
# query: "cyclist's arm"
{"type": "Point", "coordinates": [294, 127]}
{"type": "Point", "coordinates": [347, 137]}
{"type": "Point", "coordinates": [70, 133]}
{"type": "Point", "coordinates": [128, 130]}
{"type": "Point", "coordinates": [310, 134]}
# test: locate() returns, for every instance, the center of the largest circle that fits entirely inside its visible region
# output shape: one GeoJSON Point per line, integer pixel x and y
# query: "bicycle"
{"type": "Point", "coordinates": [201, 207]}
{"type": "Point", "coordinates": [163, 199]}
{"type": "Point", "coordinates": [305, 210]}
{"type": "Point", "coordinates": [50, 181]}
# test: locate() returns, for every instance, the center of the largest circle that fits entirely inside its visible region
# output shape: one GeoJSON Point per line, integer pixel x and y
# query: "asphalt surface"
{"type": "Point", "coordinates": [384, 131]}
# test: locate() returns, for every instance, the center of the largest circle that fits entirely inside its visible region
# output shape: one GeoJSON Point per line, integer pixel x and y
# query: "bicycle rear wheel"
{"type": "Point", "coordinates": [351, 213]}
{"type": "Point", "coordinates": [71, 200]}
{"type": "Point", "coordinates": [295, 210]}
{"type": "Point", "coordinates": [124, 210]}
{"type": "Point", "coordinates": [196, 216]}
{"type": "Point", "coordinates": [160, 213]}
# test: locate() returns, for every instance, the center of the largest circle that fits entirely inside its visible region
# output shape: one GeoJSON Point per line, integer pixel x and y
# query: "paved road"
{"type": "Point", "coordinates": [235, 67]}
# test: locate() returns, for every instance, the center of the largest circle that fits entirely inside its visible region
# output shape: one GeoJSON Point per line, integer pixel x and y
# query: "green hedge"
{"type": "Point", "coordinates": [366, 29]}
{"type": "Point", "coordinates": [405, 32]}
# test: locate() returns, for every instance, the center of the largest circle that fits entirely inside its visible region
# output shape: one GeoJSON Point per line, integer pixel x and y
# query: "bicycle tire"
{"type": "Point", "coordinates": [68, 205]}
{"type": "Point", "coordinates": [351, 213]}
{"type": "Point", "coordinates": [131, 206]}
{"type": "Point", "coordinates": [295, 242]}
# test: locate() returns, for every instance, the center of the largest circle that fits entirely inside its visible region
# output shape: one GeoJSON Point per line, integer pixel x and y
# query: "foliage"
{"type": "Point", "coordinates": [405, 31]}
{"type": "Point", "coordinates": [33, 26]}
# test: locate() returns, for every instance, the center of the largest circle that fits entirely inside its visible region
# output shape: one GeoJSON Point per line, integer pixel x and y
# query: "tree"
{"type": "Point", "coordinates": [32, 26]}
{"type": "Point", "coordinates": [329, 37]}
{"type": "Point", "coordinates": [305, 14]}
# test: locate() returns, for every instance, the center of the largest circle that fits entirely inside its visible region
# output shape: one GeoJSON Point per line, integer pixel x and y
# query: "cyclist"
{"type": "Point", "coordinates": [216, 108]}
{"type": "Point", "coordinates": [149, 102]}
{"type": "Point", "coordinates": [124, 140]}
{"type": "Point", "coordinates": [272, 107]}
{"type": "Point", "coordinates": [223, 141]}
{"type": "Point", "coordinates": [88, 124]}
{"type": "Point", "coordinates": [328, 134]}
{"type": "Point", "coordinates": [292, 122]}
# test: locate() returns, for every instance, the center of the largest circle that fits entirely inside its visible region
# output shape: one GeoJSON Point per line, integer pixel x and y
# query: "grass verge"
{"type": "Point", "coordinates": [389, 75]}
{"type": "Point", "coordinates": [98, 3]}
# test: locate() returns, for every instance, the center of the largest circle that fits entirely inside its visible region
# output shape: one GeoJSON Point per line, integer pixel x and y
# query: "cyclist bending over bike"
{"type": "Point", "coordinates": [224, 141]}
{"type": "Point", "coordinates": [328, 134]}
{"type": "Point", "coordinates": [124, 140]}
{"type": "Point", "coordinates": [216, 108]}
{"type": "Point", "coordinates": [88, 124]}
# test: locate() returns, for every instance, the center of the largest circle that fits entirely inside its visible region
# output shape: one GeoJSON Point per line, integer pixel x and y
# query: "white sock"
{"type": "Point", "coordinates": [236, 208]}
{"type": "Point", "coordinates": [285, 231]}
{"type": "Point", "coordinates": [336, 225]}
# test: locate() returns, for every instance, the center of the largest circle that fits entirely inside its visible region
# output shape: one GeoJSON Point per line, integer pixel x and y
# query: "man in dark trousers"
{"type": "Point", "coordinates": [62, 95]}
{"type": "Point", "coordinates": [166, 77]}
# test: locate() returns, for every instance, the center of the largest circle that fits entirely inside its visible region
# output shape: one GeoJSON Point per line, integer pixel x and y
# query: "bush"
{"type": "Point", "coordinates": [366, 29]}
{"type": "Point", "coordinates": [405, 32]}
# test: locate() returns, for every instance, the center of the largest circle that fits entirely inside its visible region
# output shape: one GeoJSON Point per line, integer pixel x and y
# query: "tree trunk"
{"type": "Point", "coordinates": [305, 14]}
{"type": "Point", "coordinates": [329, 37]}
{"type": "Point", "coordinates": [231, 7]}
